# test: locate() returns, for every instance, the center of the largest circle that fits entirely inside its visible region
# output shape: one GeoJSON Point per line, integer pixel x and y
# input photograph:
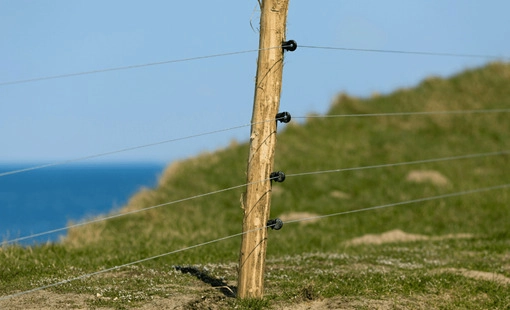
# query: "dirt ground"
{"type": "Point", "coordinates": [44, 300]}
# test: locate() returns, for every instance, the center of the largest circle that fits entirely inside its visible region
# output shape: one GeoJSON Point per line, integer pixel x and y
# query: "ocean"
{"type": "Point", "coordinates": [46, 199]}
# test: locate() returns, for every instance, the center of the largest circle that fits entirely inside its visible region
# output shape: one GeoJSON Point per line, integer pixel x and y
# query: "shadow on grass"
{"type": "Point", "coordinates": [225, 289]}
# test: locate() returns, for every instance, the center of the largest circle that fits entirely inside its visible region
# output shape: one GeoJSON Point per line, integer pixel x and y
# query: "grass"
{"type": "Point", "coordinates": [313, 261]}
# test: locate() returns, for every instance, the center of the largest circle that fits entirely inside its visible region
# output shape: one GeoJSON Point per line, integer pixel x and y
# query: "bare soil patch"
{"type": "Point", "coordinates": [349, 303]}
{"type": "Point", "coordinates": [44, 300]}
{"type": "Point", "coordinates": [208, 298]}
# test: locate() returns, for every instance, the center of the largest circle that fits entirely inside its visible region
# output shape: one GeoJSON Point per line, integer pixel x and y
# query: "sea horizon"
{"type": "Point", "coordinates": [36, 199]}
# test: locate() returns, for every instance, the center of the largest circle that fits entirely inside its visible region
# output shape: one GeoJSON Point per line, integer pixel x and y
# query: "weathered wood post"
{"type": "Point", "coordinates": [257, 199]}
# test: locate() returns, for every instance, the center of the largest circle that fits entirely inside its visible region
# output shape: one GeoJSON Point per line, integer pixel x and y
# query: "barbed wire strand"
{"type": "Point", "coordinates": [61, 76]}
{"type": "Point", "coordinates": [483, 111]}
{"type": "Point", "coordinates": [456, 194]}
{"type": "Point", "coordinates": [404, 52]}
{"type": "Point", "coordinates": [469, 156]}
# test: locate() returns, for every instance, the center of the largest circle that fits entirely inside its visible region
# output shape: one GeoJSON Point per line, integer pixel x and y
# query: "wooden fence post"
{"type": "Point", "coordinates": [257, 199]}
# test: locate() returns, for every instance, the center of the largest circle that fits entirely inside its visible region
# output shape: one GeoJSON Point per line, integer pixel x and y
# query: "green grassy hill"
{"type": "Point", "coordinates": [436, 243]}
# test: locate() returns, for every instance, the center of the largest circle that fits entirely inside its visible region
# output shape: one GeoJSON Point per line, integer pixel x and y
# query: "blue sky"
{"type": "Point", "coordinates": [63, 119]}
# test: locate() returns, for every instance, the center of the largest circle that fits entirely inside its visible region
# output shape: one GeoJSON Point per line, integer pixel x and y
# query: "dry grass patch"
{"type": "Point", "coordinates": [477, 275]}
{"type": "Point", "coordinates": [427, 176]}
{"type": "Point", "coordinates": [306, 217]}
{"type": "Point", "coordinates": [339, 194]}
{"type": "Point", "coordinates": [398, 235]}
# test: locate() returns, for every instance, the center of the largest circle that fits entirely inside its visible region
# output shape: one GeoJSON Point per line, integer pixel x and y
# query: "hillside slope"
{"type": "Point", "coordinates": [334, 143]}
{"type": "Point", "coordinates": [405, 222]}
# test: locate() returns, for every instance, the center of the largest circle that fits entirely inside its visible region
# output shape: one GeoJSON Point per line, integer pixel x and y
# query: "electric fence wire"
{"type": "Point", "coordinates": [129, 67]}
{"type": "Point", "coordinates": [423, 53]}
{"type": "Point", "coordinates": [237, 127]}
{"type": "Point", "coordinates": [227, 129]}
{"type": "Point", "coordinates": [469, 156]}
{"type": "Point", "coordinates": [128, 213]}
{"type": "Point", "coordinates": [456, 194]}
{"type": "Point", "coordinates": [425, 199]}
{"type": "Point", "coordinates": [2, 174]}
{"type": "Point", "coordinates": [120, 266]}
{"type": "Point", "coordinates": [424, 161]}
{"type": "Point", "coordinates": [483, 111]}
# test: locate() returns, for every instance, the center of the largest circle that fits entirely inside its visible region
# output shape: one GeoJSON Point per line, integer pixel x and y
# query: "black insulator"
{"type": "Point", "coordinates": [277, 176]}
{"type": "Point", "coordinates": [275, 224]}
{"type": "Point", "coordinates": [289, 46]}
{"type": "Point", "coordinates": [283, 117]}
